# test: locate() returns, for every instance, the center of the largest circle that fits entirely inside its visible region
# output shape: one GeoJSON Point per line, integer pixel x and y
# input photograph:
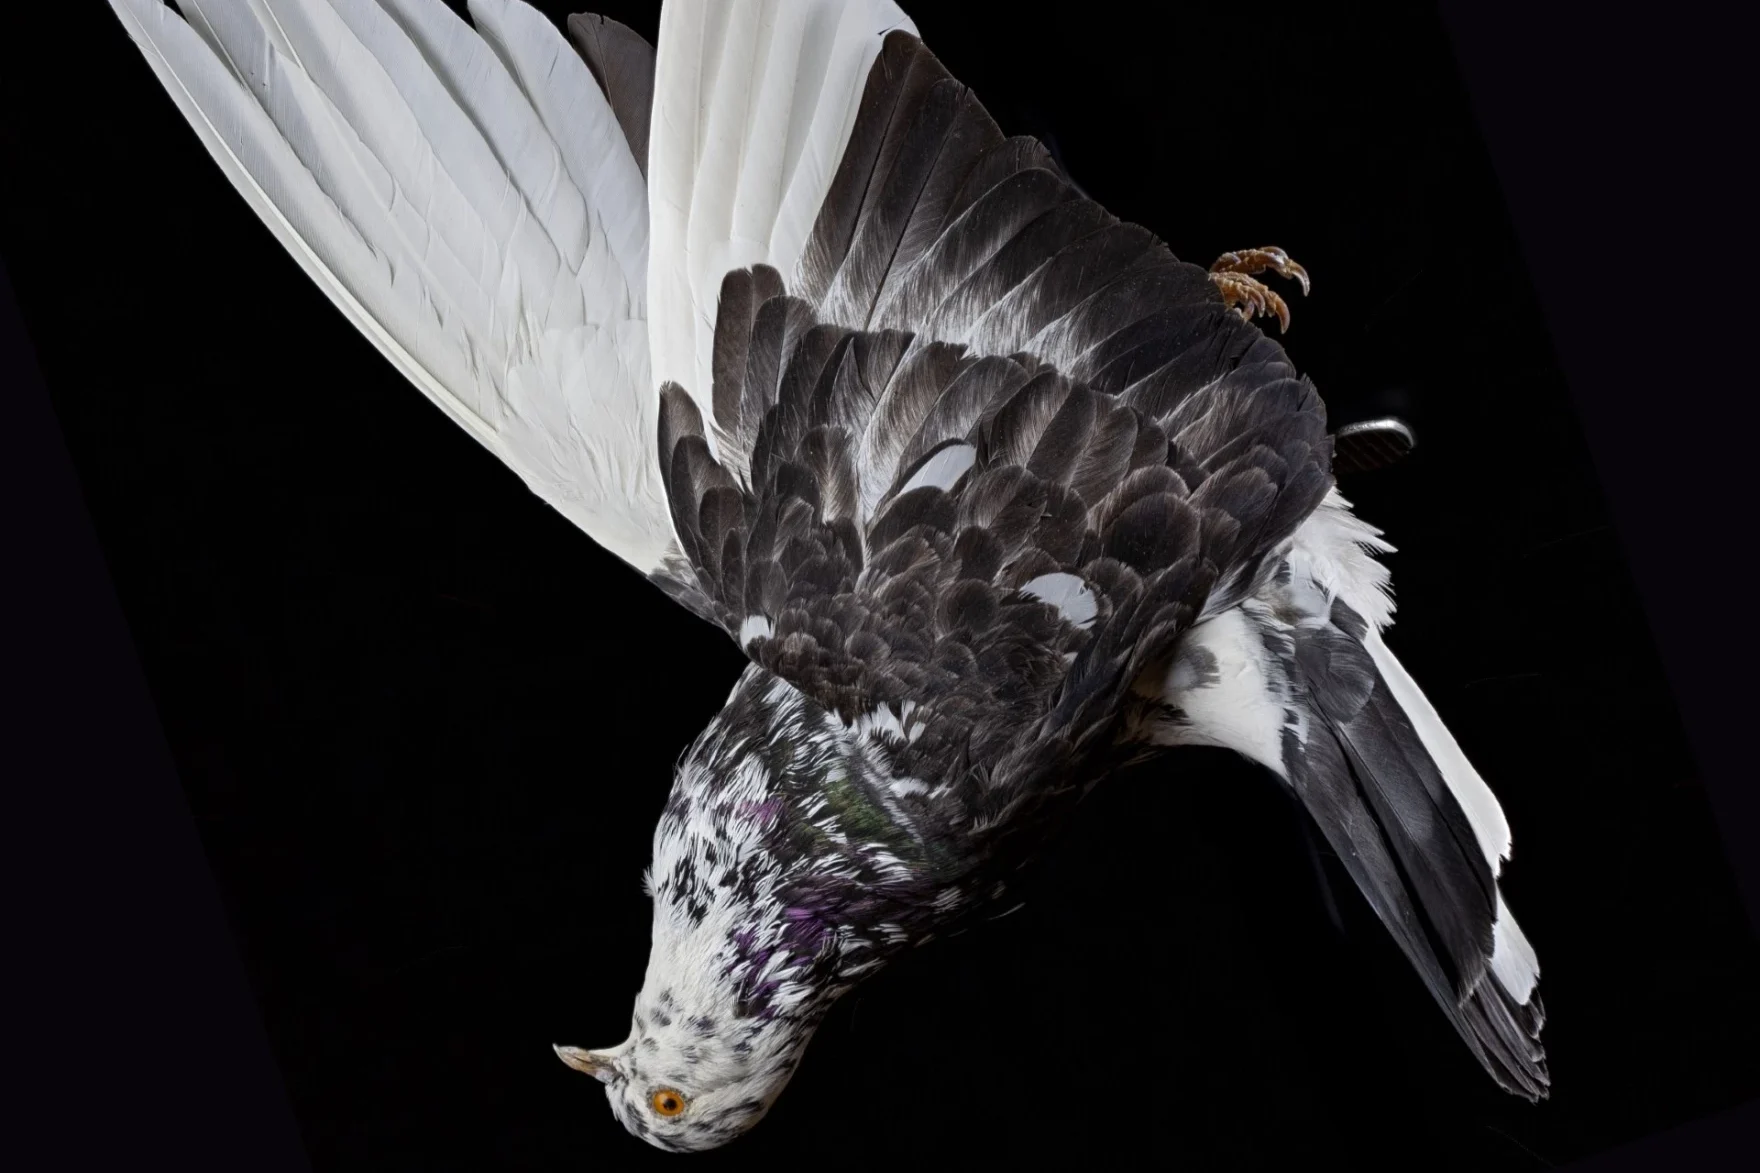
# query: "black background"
{"type": "Point", "coordinates": [424, 726]}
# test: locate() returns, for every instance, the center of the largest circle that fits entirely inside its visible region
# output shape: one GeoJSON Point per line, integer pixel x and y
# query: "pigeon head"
{"type": "Point", "coordinates": [714, 1036]}
{"type": "Point", "coordinates": [753, 936]}
{"type": "Point", "coordinates": [688, 1082]}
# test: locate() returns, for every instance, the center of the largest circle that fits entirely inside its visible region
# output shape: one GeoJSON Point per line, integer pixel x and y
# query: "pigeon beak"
{"type": "Point", "coordinates": [599, 1066]}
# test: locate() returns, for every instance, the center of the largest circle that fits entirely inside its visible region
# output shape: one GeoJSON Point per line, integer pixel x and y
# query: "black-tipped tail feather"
{"type": "Point", "coordinates": [1362, 769]}
{"type": "Point", "coordinates": [1299, 682]}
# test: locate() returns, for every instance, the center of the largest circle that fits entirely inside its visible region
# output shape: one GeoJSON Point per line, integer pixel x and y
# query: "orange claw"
{"type": "Point", "coordinates": [1234, 274]}
{"type": "Point", "coordinates": [1251, 298]}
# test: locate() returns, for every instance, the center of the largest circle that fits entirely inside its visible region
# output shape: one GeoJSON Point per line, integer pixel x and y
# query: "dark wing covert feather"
{"type": "Point", "coordinates": [981, 387]}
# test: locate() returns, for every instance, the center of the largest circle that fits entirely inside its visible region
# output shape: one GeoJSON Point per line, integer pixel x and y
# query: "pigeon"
{"type": "Point", "coordinates": [996, 494]}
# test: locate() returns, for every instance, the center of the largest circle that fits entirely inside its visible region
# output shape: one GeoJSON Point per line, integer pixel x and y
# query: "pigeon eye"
{"type": "Point", "coordinates": [668, 1102]}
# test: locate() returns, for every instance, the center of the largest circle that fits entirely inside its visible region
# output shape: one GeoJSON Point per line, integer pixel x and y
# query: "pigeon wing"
{"type": "Point", "coordinates": [946, 444]}
{"type": "Point", "coordinates": [466, 195]}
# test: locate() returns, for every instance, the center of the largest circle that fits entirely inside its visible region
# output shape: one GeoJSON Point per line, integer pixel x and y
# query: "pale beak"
{"type": "Point", "coordinates": [598, 1066]}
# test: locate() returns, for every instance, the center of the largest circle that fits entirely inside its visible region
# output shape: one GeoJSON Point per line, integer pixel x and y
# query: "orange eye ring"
{"type": "Point", "coordinates": [667, 1102]}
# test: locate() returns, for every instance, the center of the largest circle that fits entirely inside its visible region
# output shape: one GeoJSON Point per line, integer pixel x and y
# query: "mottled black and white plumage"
{"type": "Point", "coordinates": [996, 493]}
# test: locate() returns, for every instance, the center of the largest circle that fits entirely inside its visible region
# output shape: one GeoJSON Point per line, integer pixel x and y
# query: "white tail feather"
{"type": "Point", "coordinates": [1481, 806]}
{"type": "Point", "coordinates": [1336, 550]}
{"type": "Point", "coordinates": [1240, 702]}
{"type": "Point", "coordinates": [1513, 962]}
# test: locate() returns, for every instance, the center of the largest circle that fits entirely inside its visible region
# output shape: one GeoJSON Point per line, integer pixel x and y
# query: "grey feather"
{"type": "Point", "coordinates": [623, 65]}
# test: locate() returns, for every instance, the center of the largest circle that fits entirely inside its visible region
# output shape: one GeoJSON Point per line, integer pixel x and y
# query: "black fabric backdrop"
{"type": "Point", "coordinates": [423, 726]}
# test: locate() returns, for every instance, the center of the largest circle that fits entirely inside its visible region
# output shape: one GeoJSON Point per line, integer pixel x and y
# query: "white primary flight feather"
{"type": "Point", "coordinates": [467, 198]}
{"type": "Point", "coordinates": [753, 106]}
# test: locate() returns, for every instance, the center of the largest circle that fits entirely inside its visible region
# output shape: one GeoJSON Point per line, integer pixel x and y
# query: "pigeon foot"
{"type": "Point", "coordinates": [1235, 274]}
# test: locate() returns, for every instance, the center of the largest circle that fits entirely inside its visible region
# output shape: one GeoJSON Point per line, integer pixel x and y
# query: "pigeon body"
{"type": "Point", "coordinates": [996, 493]}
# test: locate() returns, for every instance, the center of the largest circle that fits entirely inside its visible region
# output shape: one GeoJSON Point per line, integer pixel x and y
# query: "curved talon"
{"type": "Point", "coordinates": [1251, 298]}
{"type": "Point", "coordinates": [1234, 274]}
{"type": "Point", "coordinates": [1253, 261]}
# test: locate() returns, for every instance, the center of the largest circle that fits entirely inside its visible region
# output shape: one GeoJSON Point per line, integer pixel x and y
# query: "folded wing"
{"type": "Point", "coordinates": [948, 447]}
